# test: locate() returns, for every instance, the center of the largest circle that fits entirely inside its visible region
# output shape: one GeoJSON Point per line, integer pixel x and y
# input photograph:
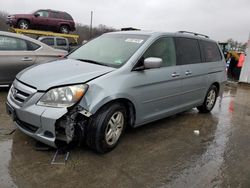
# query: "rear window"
{"type": "Point", "coordinates": [48, 41]}
{"type": "Point", "coordinates": [187, 51]}
{"type": "Point", "coordinates": [66, 16]}
{"type": "Point", "coordinates": [211, 51]}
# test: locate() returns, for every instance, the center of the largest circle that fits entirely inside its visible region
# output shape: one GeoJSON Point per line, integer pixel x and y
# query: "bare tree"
{"type": "Point", "coordinates": [3, 25]}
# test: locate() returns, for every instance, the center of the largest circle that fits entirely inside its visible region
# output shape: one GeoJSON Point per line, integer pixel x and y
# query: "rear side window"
{"type": "Point", "coordinates": [187, 51]}
{"type": "Point", "coordinates": [211, 51]}
{"type": "Point", "coordinates": [55, 15]}
{"type": "Point", "coordinates": [12, 44]}
{"type": "Point", "coordinates": [48, 41]}
{"type": "Point", "coordinates": [61, 42]}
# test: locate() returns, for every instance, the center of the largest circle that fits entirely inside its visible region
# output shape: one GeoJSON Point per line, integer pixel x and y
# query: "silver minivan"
{"type": "Point", "coordinates": [119, 79]}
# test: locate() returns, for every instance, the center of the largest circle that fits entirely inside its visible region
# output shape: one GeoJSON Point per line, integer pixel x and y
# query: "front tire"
{"type": "Point", "coordinates": [23, 24]}
{"type": "Point", "coordinates": [106, 127]}
{"type": "Point", "coordinates": [209, 101]}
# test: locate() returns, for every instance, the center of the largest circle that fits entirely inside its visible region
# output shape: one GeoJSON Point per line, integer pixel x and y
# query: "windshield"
{"type": "Point", "coordinates": [110, 49]}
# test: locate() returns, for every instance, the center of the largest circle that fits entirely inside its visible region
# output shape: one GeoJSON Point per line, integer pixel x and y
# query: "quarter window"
{"type": "Point", "coordinates": [188, 51]}
{"type": "Point", "coordinates": [163, 48]}
{"type": "Point", "coordinates": [32, 46]}
{"type": "Point", "coordinates": [210, 51]}
{"type": "Point", "coordinates": [12, 44]}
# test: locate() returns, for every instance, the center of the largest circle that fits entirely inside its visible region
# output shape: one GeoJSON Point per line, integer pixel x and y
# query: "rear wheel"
{"type": "Point", "coordinates": [106, 127]}
{"type": "Point", "coordinates": [64, 29]}
{"type": "Point", "coordinates": [209, 101]}
{"type": "Point", "coordinates": [23, 24]}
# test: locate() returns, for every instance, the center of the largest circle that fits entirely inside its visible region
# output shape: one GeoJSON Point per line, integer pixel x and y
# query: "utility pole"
{"type": "Point", "coordinates": [90, 27]}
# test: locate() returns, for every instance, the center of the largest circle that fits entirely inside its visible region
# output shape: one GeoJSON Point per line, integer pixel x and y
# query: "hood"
{"type": "Point", "coordinates": [61, 72]}
{"type": "Point", "coordinates": [21, 15]}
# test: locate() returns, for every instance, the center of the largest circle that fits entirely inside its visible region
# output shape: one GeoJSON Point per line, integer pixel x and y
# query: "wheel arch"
{"type": "Point", "coordinates": [26, 19]}
{"type": "Point", "coordinates": [217, 85]}
{"type": "Point", "coordinates": [128, 104]}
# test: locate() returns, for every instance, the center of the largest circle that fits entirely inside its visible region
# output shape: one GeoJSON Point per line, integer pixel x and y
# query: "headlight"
{"type": "Point", "coordinates": [63, 96]}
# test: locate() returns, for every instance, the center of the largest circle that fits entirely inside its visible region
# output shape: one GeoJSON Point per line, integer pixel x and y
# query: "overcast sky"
{"type": "Point", "coordinates": [220, 19]}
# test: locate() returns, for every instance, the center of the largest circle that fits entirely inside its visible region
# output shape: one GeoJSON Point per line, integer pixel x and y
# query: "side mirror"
{"type": "Point", "coordinates": [152, 62]}
{"type": "Point", "coordinates": [36, 15]}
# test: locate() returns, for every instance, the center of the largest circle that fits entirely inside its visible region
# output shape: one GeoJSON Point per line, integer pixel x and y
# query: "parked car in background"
{"type": "Point", "coordinates": [46, 19]}
{"type": "Point", "coordinates": [55, 42]}
{"type": "Point", "coordinates": [116, 80]}
{"type": "Point", "coordinates": [58, 43]}
{"type": "Point", "coordinates": [18, 52]}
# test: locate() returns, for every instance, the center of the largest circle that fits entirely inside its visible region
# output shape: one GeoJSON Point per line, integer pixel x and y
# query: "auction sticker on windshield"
{"type": "Point", "coordinates": [138, 41]}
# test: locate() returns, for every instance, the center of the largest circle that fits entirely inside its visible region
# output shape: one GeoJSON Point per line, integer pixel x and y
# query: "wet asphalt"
{"type": "Point", "coordinates": [186, 150]}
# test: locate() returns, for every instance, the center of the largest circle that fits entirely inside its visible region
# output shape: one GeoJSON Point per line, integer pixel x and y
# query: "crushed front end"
{"type": "Point", "coordinates": [49, 125]}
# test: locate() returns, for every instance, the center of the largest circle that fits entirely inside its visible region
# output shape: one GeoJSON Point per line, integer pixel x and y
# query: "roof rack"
{"type": "Point", "coordinates": [196, 34]}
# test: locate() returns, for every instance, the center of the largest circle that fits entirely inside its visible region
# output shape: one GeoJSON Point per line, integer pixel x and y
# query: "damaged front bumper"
{"type": "Point", "coordinates": [45, 124]}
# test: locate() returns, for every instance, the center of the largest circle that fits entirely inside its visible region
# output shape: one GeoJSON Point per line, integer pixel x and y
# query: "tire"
{"type": "Point", "coordinates": [209, 101]}
{"type": "Point", "coordinates": [106, 127]}
{"type": "Point", "coordinates": [23, 24]}
{"type": "Point", "coordinates": [64, 29]}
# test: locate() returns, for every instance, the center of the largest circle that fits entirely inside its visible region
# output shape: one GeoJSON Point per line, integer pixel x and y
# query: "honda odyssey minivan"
{"type": "Point", "coordinates": [117, 80]}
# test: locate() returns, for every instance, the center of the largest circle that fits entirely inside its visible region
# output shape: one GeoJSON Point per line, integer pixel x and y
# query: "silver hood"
{"type": "Point", "coordinates": [61, 72]}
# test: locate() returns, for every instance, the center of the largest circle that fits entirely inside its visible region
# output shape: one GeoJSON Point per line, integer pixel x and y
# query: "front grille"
{"type": "Point", "coordinates": [26, 126]}
{"type": "Point", "coordinates": [19, 95]}
{"type": "Point", "coordinates": [20, 92]}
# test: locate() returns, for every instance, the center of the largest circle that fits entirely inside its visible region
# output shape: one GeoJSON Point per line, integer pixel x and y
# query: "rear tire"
{"type": "Point", "coordinates": [64, 29]}
{"type": "Point", "coordinates": [105, 128]}
{"type": "Point", "coordinates": [23, 24]}
{"type": "Point", "coordinates": [209, 101]}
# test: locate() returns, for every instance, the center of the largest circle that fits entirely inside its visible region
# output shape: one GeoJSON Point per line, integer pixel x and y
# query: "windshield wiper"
{"type": "Point", "coordinates": [92, 61]}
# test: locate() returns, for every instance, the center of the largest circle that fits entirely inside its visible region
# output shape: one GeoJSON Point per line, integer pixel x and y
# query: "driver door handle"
{"type": "Point", "coordinates": [175, 74]}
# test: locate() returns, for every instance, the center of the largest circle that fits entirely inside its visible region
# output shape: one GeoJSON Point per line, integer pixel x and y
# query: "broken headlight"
{"type": "Point", "coordinates": [63, 96]}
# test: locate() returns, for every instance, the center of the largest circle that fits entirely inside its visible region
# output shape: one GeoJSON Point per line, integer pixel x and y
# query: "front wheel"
{"type": "Point", "coordinates": [106, 127]}
{"type": "Point", "coordinates": [209, 101]}
{"type": "Point", "coordinates": [23, 24]}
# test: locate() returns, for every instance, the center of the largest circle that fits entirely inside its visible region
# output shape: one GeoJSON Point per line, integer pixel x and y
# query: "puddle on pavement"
{"type": "Point", "coordinates": [5, 156]}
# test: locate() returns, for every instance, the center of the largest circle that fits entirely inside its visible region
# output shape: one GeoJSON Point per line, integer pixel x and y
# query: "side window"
{"type": "Point", "coordinates": [12, 44]}
{"type": "Point", "coordinates": [61, 42]}
{"type": "Point", "coordinates": [43, 13]}
{"type": "Point", "coordinates": [187, 51]}
{"type": "Point", "coordinates": [210, 51]}
{"type": "Point", "coordinates": [48, 41]}
{"type": "Point", "coordinates": [163, 48]}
